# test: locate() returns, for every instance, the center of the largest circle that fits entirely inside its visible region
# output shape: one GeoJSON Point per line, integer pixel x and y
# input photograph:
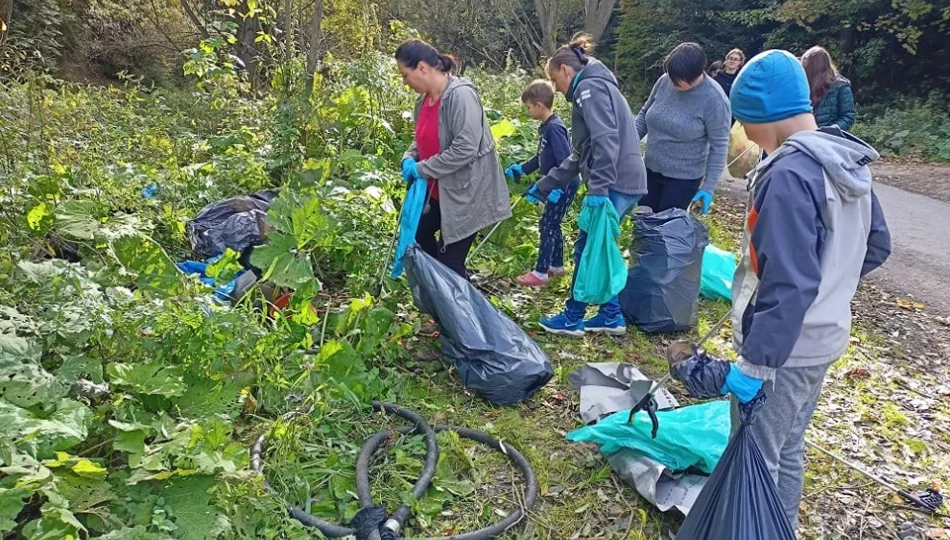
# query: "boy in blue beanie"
{"type": "Point", "coordinates": [814, 228]}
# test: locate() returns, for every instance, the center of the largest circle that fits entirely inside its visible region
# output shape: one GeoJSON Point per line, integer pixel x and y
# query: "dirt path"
{"type": "Point", "coordinates": [916, 201]}
{"type": "Point", "coordinates": [926, 179]}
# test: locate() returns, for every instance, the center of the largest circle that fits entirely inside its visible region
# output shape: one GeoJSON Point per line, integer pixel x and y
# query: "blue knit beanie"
{"type": "Point", "coordinates": [770, 88]}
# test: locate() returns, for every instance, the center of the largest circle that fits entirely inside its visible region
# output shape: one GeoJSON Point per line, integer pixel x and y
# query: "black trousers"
{"type": "Point", "coordinates": [451, 255]}
{"type": "Point", "coordinates": [664, 193]}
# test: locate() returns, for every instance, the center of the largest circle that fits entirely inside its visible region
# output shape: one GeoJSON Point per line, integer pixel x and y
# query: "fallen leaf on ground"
{"type": "Point", "coordinates": [858, 373]}
{"type": "Point", "coordinates": [907, 304]}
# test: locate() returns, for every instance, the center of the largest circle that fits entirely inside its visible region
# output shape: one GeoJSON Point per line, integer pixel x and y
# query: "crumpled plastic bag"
{"type": "Point", "coordinates": [691, 436]}
{"type": "Point", "coordinates": [602, 272]}
{"type": "Point", "coordinates": [718, 268]}
{"type": "Point", "coordinates": [491, 353]}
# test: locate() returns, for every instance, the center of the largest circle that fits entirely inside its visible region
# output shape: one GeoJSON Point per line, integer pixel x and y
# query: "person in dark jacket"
{"type": "Point", "coordinates": [831, 95]}
{"type": "Point", "coordinates": [731, 66]}
{"type": "Point", "coordinates": [554, 146]}
{"type": "Point", "coordinates": [814, 228]}
{"type": "Point", "coordinates": [607, 156]}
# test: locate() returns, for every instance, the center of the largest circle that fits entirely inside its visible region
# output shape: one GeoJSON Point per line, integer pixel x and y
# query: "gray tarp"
{"type": "Point", "coordinates": [609, 387]}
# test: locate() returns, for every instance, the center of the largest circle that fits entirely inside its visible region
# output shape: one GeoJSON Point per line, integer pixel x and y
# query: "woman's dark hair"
{"type": "Point", "coordinates": [575, 54]}
{"type": "Point", "coordinates": [685, 63]}
{"type": "Point", "coordinates": [413, 51]}
{"type": "Point", "coordinates": [821, 73]}
{"type": "Point", "coordinates": [715, 68]}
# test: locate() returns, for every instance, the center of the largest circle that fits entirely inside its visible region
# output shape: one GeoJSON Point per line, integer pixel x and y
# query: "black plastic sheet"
{"type": "Point", "coordinates": [662, 288]}
{"type": "Point", "coordinates": [492, 354]}
{"type": "Point", "coordinates": [239, 223]}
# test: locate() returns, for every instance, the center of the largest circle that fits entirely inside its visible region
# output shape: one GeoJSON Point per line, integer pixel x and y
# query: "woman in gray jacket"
{"type": "Point", "coordinates": [607, 156]}
{"type": "Point", "coordinates": [453, 149]}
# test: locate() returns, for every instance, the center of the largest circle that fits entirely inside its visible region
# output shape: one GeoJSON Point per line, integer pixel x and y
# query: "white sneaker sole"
{"type": "Point", "coordinates": [618, 331]}
{"type": "Point", "coordinates": [560, 332]}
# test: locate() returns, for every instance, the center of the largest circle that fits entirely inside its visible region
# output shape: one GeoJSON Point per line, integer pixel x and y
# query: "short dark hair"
{"type": "Point", "coordinates": [685, 63]}
{"type": "Point", "coordinates": [413, 51]}
{"type": "Point", "coordinates": [539, 91]}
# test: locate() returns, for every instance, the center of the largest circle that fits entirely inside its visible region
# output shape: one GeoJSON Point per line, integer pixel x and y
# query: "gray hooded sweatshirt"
{"type": "Point", "coordinates": [814, 228]}
{"type": "Point", "coordinates": [473, 193]}
{"type": "Point", "coordinates": [606, 146]}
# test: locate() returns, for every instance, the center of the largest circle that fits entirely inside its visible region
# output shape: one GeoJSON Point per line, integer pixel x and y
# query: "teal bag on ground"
{"type": "Point", "coordinates": [691, 436]}
{"type": "Point", "coordinates": [718, 268]}
{"type": "Point", "coordinates": [602, 272]}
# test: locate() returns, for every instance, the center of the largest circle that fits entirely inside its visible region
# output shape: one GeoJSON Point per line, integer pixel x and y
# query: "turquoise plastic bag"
{"type": "Point", "coordinates": [408, 223]}
{"type": "Point", "coordinates": [718, 268]}
{"type": "Point", "coordinates": [602, 272]}
{"type": "Point", "coordinates": [691, 436]}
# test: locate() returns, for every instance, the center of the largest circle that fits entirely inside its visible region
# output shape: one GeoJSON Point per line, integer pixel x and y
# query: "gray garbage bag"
{"type": "Point", "coordinates": [238, 223]}
{"type": "Point", "coordinates": [662, 288]}
{"type": "Point", "coordinates": [493, 356]}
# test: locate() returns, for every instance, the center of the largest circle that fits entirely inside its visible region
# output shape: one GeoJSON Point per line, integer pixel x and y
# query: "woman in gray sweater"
{"type": "Point", "coordinates": [687, 118]}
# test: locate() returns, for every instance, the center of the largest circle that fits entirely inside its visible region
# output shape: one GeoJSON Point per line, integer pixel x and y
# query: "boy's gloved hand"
{"type": "Point", "coordinates": [706, 198]}
{"type": "Point", "coordinates": [744, 387]}
{"type": "Point", "coordinates": [410, 172]}
{"type": "Point", "coordinates": [555, 196]}
{"type": "Point", "coordinates": [533, 195]}
{"type": "Point", "coordinates": [595, 200]}
{"type": "Point", "coordinates": [514, 172]}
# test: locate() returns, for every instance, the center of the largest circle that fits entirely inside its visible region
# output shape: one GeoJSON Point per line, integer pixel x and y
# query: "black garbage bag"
{"type": "Point", "coordinates": [739, 501]}
{"type": "Point", "coordinates": [662, 288]}
{"type": "Point", "coordinates": [239, 223]}
{"type": "Point", "coordinates": [492, 354]}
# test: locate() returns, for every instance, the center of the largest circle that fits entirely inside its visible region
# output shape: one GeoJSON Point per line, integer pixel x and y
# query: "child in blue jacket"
{"type": "Point", "coordinates": [554, 146]}
{"type": "Point", "coordinates": [814, 228]}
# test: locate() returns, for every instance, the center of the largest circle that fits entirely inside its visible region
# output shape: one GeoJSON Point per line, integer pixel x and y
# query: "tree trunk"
{"type": "Point", "coordinates": [289, 28]}
{"type": "Point", "coordinates": [247, 52]}
{"type": "Point", "coordinates": [193, 17]}
{"type": "Point", "coordinates": [6, 13]}
{"type": "Point", "coordinates": [596, 16]}
{"type": "Point", "coordinates": [316, 37]}
{"type": "Point", "coordinates": [547, 17]}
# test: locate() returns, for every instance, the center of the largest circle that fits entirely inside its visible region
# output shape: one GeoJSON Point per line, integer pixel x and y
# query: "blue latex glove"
{"type": "Point", "coordinates": [744, 387]}
{"type": "Point", "coordinates": [555, 196]}
{"type": "Point", "coordinates": [514, 172]}
{"type": "Point", "coordinates": [706, 198]}
{"type": "Point", "coordinates": [410, 172]}
{"type": "Point", "coordinates": [595, 200]}
{"type": "Point", "coordinates": [533, 195]}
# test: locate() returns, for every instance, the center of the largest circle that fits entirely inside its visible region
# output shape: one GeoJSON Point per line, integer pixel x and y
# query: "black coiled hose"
{"type": "Point", "coordinates": [398, 520]}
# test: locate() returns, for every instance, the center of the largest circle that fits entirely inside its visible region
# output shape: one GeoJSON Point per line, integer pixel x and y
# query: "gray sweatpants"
{"type": "Point", "coordinates": [779, 430]}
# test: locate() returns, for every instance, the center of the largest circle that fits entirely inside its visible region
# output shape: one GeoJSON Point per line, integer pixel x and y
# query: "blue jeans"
{"type": "Point", "coordinates": [551, 250]}
{"type": "Point", "coordinates": [575, 310]}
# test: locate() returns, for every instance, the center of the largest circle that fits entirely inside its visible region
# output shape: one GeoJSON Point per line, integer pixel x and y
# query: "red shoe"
{"type": "Point", "coordinates": [530, 279]}
{"type": "Point", "coordinates": [556, 271]}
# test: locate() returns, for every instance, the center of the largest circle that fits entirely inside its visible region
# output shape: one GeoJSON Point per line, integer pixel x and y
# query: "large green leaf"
{"type": "Point", "coordinates": [23, 381]}
{"type": "Point", "coordinates": [205, 398]}
{"type": "Point", "coordinates": [282, 263]}
{"type": "Point", "coordinates": [189, 500]}
{"type": "Point", "coordinates": [149, 379]}
{"type": "Point", "coordinates": [78, 219]}
{"type": "Point", "coordinates": [11, 502]}
{"type": "Point", "coordinates": [57, 523]}
{"type": "Point", "coordinates": [156, 273]}
{"type": "Point", "coordinates": [62, 430]}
